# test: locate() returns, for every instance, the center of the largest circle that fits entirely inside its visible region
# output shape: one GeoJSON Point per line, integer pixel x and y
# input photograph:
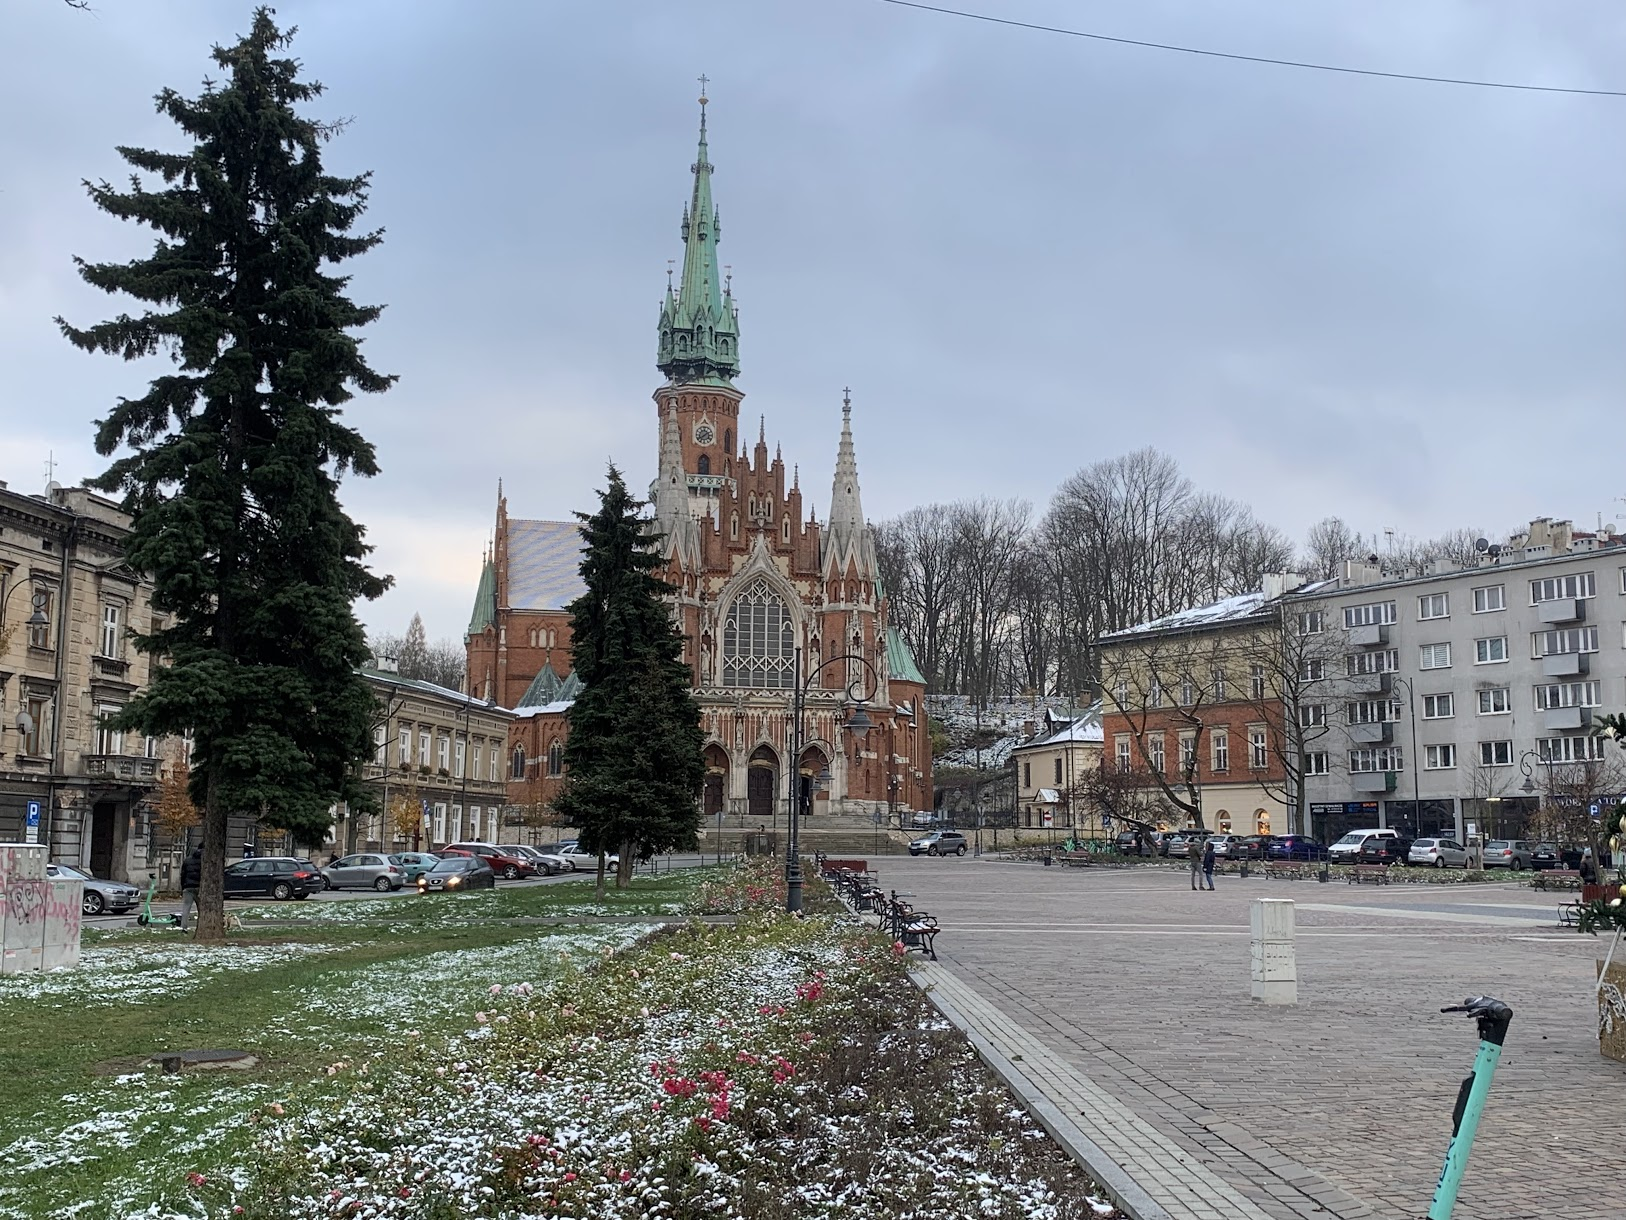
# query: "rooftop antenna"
{"type": "Point", "coordinates": [50, 468]}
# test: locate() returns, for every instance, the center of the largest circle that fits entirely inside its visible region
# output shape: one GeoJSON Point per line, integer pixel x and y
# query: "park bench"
{"type": "Point", "coordinates": [1075, 859]}
{"type": "Point", "coordinates": [1368, 874]}
{"type": "Point", "coordinates": [914, 930]}
{"type": "Point", "coordinates": [1556, 879]}
{"type": "Point", "coordinates": [1569, 913]}
{"type": "Point", "coordinates": [1296, 869]}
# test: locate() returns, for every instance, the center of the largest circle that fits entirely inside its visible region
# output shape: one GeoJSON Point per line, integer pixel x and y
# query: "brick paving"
{"type": "Point", "coordinates": [1337, 1107]}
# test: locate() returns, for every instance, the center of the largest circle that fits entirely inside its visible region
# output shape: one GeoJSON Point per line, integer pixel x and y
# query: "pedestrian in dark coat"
{"type": "Point", "coordinates": [191, 878]}
{"type": "Point", "coordinates": [1208, 862]}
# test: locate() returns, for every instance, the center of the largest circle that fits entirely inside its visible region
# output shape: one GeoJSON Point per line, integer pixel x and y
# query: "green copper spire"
{"type": "Point", "coordinates": [699, 326]}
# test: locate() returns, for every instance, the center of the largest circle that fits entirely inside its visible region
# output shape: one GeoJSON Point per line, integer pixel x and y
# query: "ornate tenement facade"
{"type": "Point", "coordinates": [765, 593]}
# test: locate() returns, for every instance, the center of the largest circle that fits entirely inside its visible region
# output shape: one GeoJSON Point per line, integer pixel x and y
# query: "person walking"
{"type": "Point", "coordinates": [1208, 862]}
{"type": "Point", "coordinates": [191, 878]}
{"type": "Point", "coordinates": [1194, 856]}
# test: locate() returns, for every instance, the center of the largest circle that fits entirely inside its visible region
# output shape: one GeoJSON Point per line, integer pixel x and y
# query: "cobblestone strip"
{"type": "Point", "coordinates": [1119, 1143]}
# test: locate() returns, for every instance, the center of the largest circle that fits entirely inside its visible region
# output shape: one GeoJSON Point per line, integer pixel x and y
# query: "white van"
{"type": "Point", "coordinates": [1347, 848]}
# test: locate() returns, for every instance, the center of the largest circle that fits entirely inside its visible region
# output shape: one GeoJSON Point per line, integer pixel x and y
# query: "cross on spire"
{"type": "Point", "coordinates": [704, 81]}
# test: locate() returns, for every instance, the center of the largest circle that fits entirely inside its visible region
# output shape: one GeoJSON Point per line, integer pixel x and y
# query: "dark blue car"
{"type": "Point", "coordinates": [1296, 847]}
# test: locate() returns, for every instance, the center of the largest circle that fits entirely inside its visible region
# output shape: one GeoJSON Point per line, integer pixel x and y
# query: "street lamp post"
{"type": "Point", "coordinates": [1416, 762]}
{"type": "Point", "coordinates": [858, 724]}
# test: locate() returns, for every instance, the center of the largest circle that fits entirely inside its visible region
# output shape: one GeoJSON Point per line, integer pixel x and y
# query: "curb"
{"type": "Point", "coordinates": [1124, 1192]}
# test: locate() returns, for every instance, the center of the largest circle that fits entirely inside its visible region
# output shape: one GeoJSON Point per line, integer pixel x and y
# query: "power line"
{"type": "Point", "coordinates": [1252, 59]}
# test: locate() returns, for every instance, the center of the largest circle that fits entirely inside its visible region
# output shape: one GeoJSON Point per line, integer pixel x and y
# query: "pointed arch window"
{"type": "Point", "coordinates": [728, 440]}
{"type": "Point", "coordinates": [556, 759]}
{"type": "Point", "coordinates": [519, 763]}
{"type": "Point", "coordinates": [759, 643]}
{"type": "Point", "coordinates": [784, 529]}
{"type": "Point", "coordinates": [705, 463]}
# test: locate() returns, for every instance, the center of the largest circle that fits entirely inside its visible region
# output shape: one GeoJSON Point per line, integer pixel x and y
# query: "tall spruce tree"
{"type": "Point", "coordinates": [633, 755]}
{"type": "Point", "coordinates": [231, 462]}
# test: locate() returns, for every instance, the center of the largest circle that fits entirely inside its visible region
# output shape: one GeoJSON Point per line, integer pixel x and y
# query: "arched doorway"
{"type": "Point", "coordinates": [813, 762]}
{"type": "Point", "coordinates": [716, 759]}
{"type": "Point", "coordinates": [762, 784]}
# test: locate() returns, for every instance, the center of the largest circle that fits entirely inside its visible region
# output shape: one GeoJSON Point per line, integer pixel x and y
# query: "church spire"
{"type": "Point", "coordinates": [847, 539]}
{"type": "Point", "coordinates": [670, 496]}
{"type": "Point", "coordinates": [699, 325]}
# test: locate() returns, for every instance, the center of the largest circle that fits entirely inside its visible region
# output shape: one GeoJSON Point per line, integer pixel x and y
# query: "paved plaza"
{"type": "Point", "coordinates": [1338, 1106]}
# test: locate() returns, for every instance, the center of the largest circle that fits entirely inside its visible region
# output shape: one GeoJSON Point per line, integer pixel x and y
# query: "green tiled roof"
{"type": "Point", "coordinates": [485, 601]}
{"type": "Point", "coordinates": [900, 662]}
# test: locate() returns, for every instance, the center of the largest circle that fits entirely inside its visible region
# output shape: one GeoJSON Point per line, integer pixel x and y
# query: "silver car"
{"type": "Point", "coordinates": [365, 871]}
{"type": "Point", "coordinates": [101, 897]}
{"type": "Point", "coordinates": [1517, 854]}
{"type": "Point", "coordinates": [546, 865]}
{"type": "Point", "coordinates": [1438, 853]}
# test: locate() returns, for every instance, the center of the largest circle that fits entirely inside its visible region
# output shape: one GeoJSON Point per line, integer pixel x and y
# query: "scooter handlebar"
{"type": "Point", "coordinates": [1491, 1014]}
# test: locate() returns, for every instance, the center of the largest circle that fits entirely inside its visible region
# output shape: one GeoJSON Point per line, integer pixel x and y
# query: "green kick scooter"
{"type": "Point", "coordinates": [1492, 1017]}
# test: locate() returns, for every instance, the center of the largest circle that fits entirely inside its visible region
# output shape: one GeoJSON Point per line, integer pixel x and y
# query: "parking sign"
{"type": "Point", "coordinates": [31, 823]}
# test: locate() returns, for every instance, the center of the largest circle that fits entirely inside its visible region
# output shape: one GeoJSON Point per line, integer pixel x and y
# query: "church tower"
{"type": "Point", "coordinates": [699, 350]}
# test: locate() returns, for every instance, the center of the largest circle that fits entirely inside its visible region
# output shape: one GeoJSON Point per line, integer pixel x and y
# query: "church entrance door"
{"type": "Point", "coordinates": [762, 786]}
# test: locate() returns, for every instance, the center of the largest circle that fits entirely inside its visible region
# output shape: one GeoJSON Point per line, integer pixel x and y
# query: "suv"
{"type": "Point", "coordinates": [279, 877]}
{"type": "Point", "coordinates": [1347, 848]}
{"type": "Point", "coordinates": [509, 868]}
{"type": "Point", "coordinates": [1296, 847]}
{"type": "Point", "coordinates": [1384, 850]}
{"type": "Point", "coordinates": [939, 843]}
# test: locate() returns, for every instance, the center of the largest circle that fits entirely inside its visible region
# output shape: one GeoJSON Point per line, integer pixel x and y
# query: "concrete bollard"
{"type": "Point", "coordinates": [1275, 968]}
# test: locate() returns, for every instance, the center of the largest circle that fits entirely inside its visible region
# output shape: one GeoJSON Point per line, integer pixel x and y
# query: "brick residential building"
{"type": "Point", "coordinates": [765, 592]}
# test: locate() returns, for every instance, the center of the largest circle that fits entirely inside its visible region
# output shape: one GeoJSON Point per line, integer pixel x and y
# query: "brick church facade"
{"type": "Point", "coordinates": [766, 594]}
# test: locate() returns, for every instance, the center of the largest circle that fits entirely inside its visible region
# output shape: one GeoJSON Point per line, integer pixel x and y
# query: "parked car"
{"type": "Point", "coordinates": [1347, 848]}
{"type": "Point", "coordinates": [1222, 844]}
{"type": "Point", "coordinates": [509, 868]}
{"type": "Point", "coordinates": [311, 866]}
{"type": "Point", "coordinates": [1384, 849]}
{"type": "Point", "coordinates": [924, 817]}
{"type": "Point", "coordinates": [1517, 854]}
{"type": "Point", "coordinates": [414, 864]}
{"type": "Point", "coordinates": [1438, 853]}
{"type": "Point", "coordinates": [939, 843]}
{"type": "Point", "coordinates": [538, 859]}
{"type": "Point", "coordinates": [457, 872]}
{"type": "Point", "coordinates": [365, 870]}
{"type": "Point", "coordinates": [1544, 855]}
{"type": "Point", "coordinates": [1295, 847]}
{"type": "Point", "coordinates": [572, 851]}
{"type": "Point", "coordinates": [1249, 847]}
{"type": "Point", "coordinates": [101, 897]}
{"type": "Point", "coordinates": [279, 877]}
{"type": "Point", "coordinates": [1181, 842]}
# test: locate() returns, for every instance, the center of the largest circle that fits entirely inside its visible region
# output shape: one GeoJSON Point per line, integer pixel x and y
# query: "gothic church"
{"type": "Point", "coordinates": [762, 587]}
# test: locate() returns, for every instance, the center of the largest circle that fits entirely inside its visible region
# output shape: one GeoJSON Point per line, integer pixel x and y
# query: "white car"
{"type": "Point", "coordinates": [1347, 848]}
{"type": "Point", "coordinates": [578, 858]}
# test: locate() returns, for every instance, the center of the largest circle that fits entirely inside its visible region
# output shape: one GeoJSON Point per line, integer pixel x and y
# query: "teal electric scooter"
{"type": "Point", "coordinates": [147, 918]}
{"type": "Point", "coordinates": [1492, 1017]}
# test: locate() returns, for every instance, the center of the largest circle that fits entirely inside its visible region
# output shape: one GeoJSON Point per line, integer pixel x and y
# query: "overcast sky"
{"type": "Point", "coordinates": [1401, 303]}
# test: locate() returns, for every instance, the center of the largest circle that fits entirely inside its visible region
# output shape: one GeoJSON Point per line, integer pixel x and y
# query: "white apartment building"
{"type": "Point", "coordinates": [1448, 693]}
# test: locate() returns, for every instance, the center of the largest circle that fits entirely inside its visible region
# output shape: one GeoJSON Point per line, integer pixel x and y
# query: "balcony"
{"type": "Point", "coordinates": [1373, 781]}
{"type": "Point", "coordinates": [1564, 664]}
{"type": "Point", "coordinates": [1565, 718]}
{"type": "Point", "coordinates": [1378, 734]}
{"type": "Point", "coordinates": [121, 767]}
{"type": "Point", "coordinates": [1372, 635]}
{"type": "Point", "coordinates": [1369, 684]}
{"type": "Point", "coordinates": [1564, 610]}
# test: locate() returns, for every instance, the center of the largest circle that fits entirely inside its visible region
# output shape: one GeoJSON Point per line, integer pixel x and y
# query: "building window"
{"type": "Point", "coordinates": [1496, 753]}
{"type": "Point", "coordinates": [1558, 588]}
{"type": "Point", "coordinates": [1256, 681]}
{"type": "Point", "coordinates": [1221, 743]}
{"type": "Point", "coordinates": [1439, 707]}
{"type": "Point", "coordinates": [1188, 753]}
{"type": "Point", "coordinates": [1439, 758]}
{"type": "Point", "coordinates": [1372, 711]}
{"type": "Point", "coordinates": [1027, 774]}
{"type": "Point", "coordinates": [112, 635]}
{"type": "Point", "coordinates": [1121, 752]}
{"type": "Point", "coordinates": [1257, 757]}
{"type": "Point", "coordinates": [440, 822]}
{"type": "Point", "coordinates": [1489, 597]}
{"type": "Point", "coordinates": [149, 747]}
{"type": "Point", "coordinates": [1058, 769]}
{"type": "Point", "coordinates": [519, 763]}
{"type": "Point", "coordinates": [705, 464]}
{"type": "Point", "coordinates": [404, 746]}
{"type": "Point", "coordinates": [34, 735]}
{"type": "Point", "coordinates": [1570, 749]}
{"type": "Point", "coordinates": [1375, 614]}
{"type": "Point", "coordinates": [1219, 686]}
{"type": "Point", "coordinates": [1312, 715]}
{"type": "Point", "coordinates": [1312, 669]}
{"type": "Point", "coordinates": [1434, 656]}
{"type": "Point", "coordinates": [759, 643]}
{"type": "Point", "coordinates": [381, 744]}
{"type": "Point", "coordinates": [1491, 650]}
{"type": "Point", "coordinates": [1380, 758]}
{"type": "Point", "coordinates": [443, 752]}
{"type": "Point", "coordinates": [478, 769]}
{"type": "Point", "coordinates": [457, 823]}
{"type": "Point", "coordinates": [1567, 694]}
{"type": "Point", "coordinates": [1120, 692]}
{"type": "Point", "coordinates": [423, 747]}
{"type": "Point", "coordinates": [1316, 763]}
{"type": "Point", "coordinates": [495, 752]}
{"type": "Point", "coordinates": [458, 758]}
{"type": "Point", "coordinates": [1312, 622]}
{"type": "Point", "coordinates": [1564, 640]}
{"type": "Point", "coordinates": [108, 740]}
{"type": "Point", "coordinates": [1381, 661]}
{"type": "Point", "coordinates": [1494, 701]}
{"type": "Point", "coordinates": [1433, 605]}
{"type": "Point", "coordinates": [1188, 691]}
{"type": "Point", "coordinates": [474, 824]}
{"type": "Point", "coordinates": [1154, 694]}
{"type": "Point", "coordinates": [1155, 749]}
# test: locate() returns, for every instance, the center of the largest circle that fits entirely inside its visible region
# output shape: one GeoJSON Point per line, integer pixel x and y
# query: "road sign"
{"type": "Point", "coordinates": [1106, 820]}
{"type": "Point", "coordinates": [1593, 809]}
{"type": "Point", "coordinates": [32, 823]}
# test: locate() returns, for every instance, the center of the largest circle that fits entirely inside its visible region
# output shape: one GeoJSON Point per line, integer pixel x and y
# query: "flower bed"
{"type": "Point", "coordinates": [775, 1068]}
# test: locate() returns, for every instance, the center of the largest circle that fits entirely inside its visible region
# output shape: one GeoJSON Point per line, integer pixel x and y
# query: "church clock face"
{"type": "Point", "coordinates": [704, 434]}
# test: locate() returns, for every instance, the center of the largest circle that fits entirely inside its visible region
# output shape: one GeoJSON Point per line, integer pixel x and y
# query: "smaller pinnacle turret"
{"type": "Point", "coordinates": [847, 538]}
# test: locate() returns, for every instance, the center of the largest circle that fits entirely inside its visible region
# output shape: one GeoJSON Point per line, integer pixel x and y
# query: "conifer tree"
{"type": "Point", "coordinates": [633, 756]}
{"type": "Point", "coordinates": [231, 461]}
